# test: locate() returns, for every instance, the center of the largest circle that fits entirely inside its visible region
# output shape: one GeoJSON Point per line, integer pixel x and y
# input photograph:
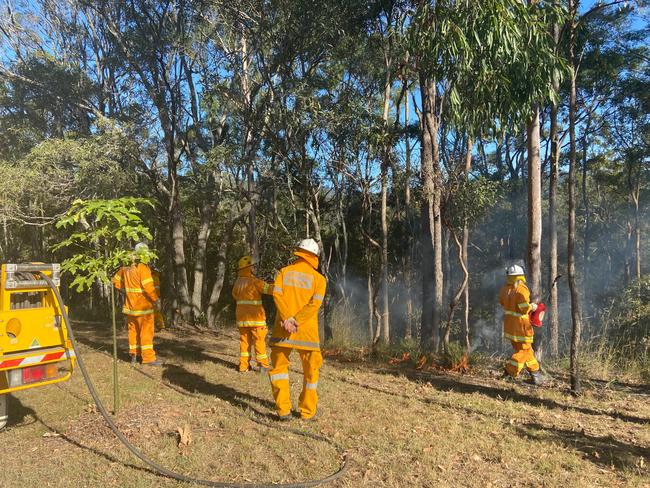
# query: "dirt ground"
{"type": "Point", "coordinates": [399, 427]}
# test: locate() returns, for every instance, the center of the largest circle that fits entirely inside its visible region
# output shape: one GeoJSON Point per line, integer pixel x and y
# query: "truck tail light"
{"type": "Point", "coordinates": [33, 374]}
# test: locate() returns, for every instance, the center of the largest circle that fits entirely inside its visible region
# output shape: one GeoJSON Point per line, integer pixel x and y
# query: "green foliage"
{"type": "Point", "coordinates": [454, 354]}
{"type": "Point", "coordinates": [470, 201]}
{"type": "Point", "coordinates": [491, 59]}
{"type": "Point", "coordinates": [628, 317]}
{"type": "Point", "coordinates": [105, 241]}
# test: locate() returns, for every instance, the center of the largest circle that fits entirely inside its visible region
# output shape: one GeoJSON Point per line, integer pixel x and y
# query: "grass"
{"type": "Point", "coordinates": [401, 426]}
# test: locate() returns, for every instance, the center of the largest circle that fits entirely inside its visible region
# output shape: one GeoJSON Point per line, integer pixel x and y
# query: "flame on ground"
{"type": "Point", "coordinates": [462, 366]}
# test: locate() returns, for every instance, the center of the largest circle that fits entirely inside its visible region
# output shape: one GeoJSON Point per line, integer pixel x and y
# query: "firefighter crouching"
{"type": "Point", "coordinates": [515, 300]}
{"type": "Point", "coordinates": [250, 315]}
{"type": "Point", "coordinates": [140, 302]}
{"type": "Point", "coordinates": [298, 293]}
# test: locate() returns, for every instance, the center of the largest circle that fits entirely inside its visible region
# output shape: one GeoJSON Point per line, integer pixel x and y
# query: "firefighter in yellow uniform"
{"type": "Point", "coordinates": [140, 303]}
{"type": "Point", "coordinates": [515, 300]}
{"type": "Point", "coordinates": [250, 315]}
{"type": "Point", "coordinates": [298, 293]}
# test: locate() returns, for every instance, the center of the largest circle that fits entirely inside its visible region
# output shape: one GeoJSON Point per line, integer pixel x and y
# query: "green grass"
{"type": "Point", "coordinates": [401, 427]}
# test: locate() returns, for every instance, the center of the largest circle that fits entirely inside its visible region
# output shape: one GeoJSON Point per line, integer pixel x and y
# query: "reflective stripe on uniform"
{"type": "Point", "coordinates": [244, 354]}
{"type": "Point", "coordinates": [137, 312]}
{"type": "Point", "coordinates": [298, 279]}
{"type": "Point", "coordinates": [515, 314]}
{"type": "Point", "coordinates": [249, 323]}
{"type": "Point", "coordinates": [516, 364]}
{"type": "Point", "coordinates": [147, 346]}
{"type": "Point", "coordinates": [134, 290]}
{"type": "Point", "coordinates": [249, 302]}
{"type": "Point", "coordinates": [277, 289]}
{"type": "Point", "coordinates": [134, 347]}
{"type": "Point", "coordinates": [261, 356]}
{"type": "Point", "coordinates": [532, 362]}
{"type": "Point", "coordinates": [318, 296]}
{"type": "Point", "coordinates": [148, 280]}
{"type": "Point", "coordinates": [311, 386]}
{"type": "Point", "coordinates": [279, 376]}
{"type": "Point", "coordinates": [518, 338]}
{"type": "Point", "coordinates": [522, 305]}
{"type": "Point", "coordinates": [280, 341]}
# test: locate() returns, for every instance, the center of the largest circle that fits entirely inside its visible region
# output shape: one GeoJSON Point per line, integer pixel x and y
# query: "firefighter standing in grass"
{"type": "Point", "coordinates": [515, 300]}
{"type": "Point", "coordinates": [250, 315]}
{"type": "Point", "coordinates": [298, 293]}
{"type": "Point", "coordinates": [140, 302]}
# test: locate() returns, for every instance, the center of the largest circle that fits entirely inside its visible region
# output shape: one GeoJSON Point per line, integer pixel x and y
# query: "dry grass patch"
{"type": "Point", "coordinates": [401, 427]}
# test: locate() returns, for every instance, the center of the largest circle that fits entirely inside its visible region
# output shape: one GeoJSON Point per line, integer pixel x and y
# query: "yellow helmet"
{"type": "Point", "coordinates": [245, 262]}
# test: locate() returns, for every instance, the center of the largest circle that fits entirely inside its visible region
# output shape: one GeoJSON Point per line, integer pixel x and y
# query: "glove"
{"type": "Point", "coordinates": [290, 325]}
{"type": "Point", "coordinates": [533, 307]}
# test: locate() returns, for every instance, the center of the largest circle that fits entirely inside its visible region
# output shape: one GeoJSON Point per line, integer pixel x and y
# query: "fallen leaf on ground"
{"type": "Point", "coordinates": [184, 436]}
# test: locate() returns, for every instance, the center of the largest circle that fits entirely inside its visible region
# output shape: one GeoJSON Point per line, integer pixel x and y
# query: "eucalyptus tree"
{"type": "Point", "coordinates": [481, 66]}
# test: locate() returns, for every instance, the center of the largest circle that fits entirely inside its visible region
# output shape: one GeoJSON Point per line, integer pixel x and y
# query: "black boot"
{"type": "Point", "coordinates": [537, 377]}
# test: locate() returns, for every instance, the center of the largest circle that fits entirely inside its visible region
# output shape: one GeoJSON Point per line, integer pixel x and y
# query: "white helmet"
{"type": "Point", "coordinates": [515, 270]}
{"type": "Point", "coordinates": [309, 245]}
{"type": "Point", "coordinates": [141, 248]}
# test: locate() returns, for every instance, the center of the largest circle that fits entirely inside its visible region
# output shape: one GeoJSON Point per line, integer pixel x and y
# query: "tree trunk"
{"type": "Point", "coordinates": [456, 298]}
{"type": "Point", "coordinates": [220, 274]}
{"type": "Point", "coordinates": [371, 307]}
{"type": "Point", "coordinates": [408, 272]}
{"type": "Point", "coordinates": [575, 303]}
{"type": "Point", "coordinates": [552, 221]}
{"type": "Point", "coordinates": [200, 263]}
{"type": "Point", "coordinates": [534, 207]}
{"type": "Point", "coordinates": [247, 151]}
{"type": "Point", "coordinates": [385, 319]}
{"type": "Point", "coordinates": [178, 251]}
{"type": "Point", "coordinates": [464, 253]}
{"type": "Point", "coordinates": [586, 283]}
{"type": "Point", "coordinates": [637, 234]}
{"type": "Point", "coordinates": [429, 132]}
{"type": "Point", "coordinates": [314, 213]}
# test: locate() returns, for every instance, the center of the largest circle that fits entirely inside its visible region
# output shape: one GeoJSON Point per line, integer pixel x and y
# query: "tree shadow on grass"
{"type": "Point", "coordinates": [197, 384]}
{"type": "Point", "coordinates": [614, 385]}
{"type": "Point", "coordinates": [101, 339]}
{"type": "Point", "coordinates": [605, 451]}
{"type": "Point", "coordinates": [19, 412]}
{"type": "Point", "coordinates": [458, 384]}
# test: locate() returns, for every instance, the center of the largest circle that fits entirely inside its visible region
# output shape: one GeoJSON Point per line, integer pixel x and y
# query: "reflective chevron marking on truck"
{"type": "Point", "coordinates": [31, 360]}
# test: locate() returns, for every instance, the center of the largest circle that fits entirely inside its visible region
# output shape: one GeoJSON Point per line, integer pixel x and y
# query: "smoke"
{"type": "Point", "coordinates": [350, 311]}
{"type": "Point", "coordinates": [486, 336]}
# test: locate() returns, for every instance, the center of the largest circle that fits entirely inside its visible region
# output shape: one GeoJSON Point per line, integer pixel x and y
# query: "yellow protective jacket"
{"type": "Point", "coordinates": [298, 292]}
{"type": "Point", "coordinates": [138, 285]}
{"type": "Point", "coordinates": [247, 292]}
{"type": "Point", "coordinates": [515, 300]}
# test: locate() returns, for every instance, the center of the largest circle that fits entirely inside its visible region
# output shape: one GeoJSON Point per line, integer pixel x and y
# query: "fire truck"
{"type": "Point", "coordinates": [34, 346]}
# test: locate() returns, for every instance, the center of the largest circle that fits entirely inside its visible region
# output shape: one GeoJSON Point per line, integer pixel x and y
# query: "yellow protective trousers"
{"type": "Point", "coordinates": [141, 329]}
{"type": "Point", "coordinates": [279, 376]}
{"type": "Point", "coordinates": [252, 336]}
{"type": "Point", "coordinates": [522, 357]}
